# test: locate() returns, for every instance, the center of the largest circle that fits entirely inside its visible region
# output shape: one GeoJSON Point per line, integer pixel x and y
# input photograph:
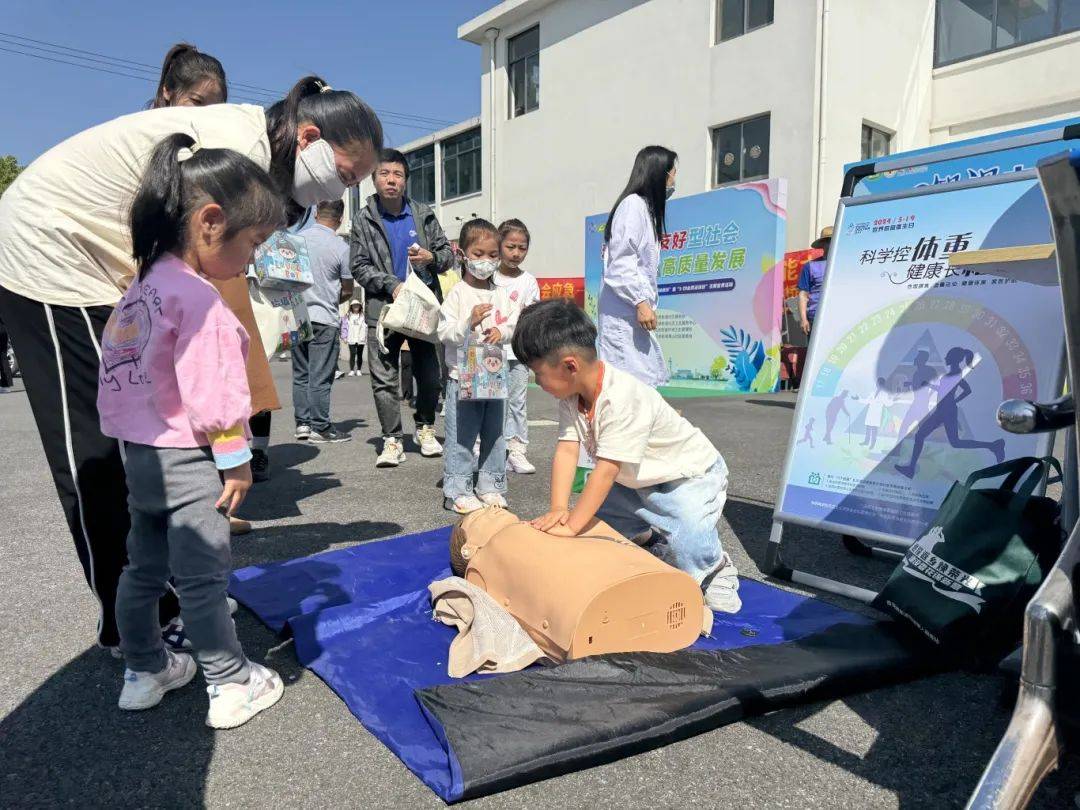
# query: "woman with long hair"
{"type": "Point", "coordinates": [189, 78]}
{"type": "Point", "coordinates": [629, 297]}
{"type": "Point", "coordinates": [66, 258]}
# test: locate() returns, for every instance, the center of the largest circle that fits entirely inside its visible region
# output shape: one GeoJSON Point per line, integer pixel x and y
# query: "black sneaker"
{"type": "Point", "coordinates": [328, 436]}
{"type": "Point", "coordinates": [260, 465]}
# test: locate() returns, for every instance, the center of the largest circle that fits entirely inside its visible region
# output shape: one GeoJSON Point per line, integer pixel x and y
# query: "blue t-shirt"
{"type": "Point", "coordinates": [811, 280]}
{"type": "Point", "coordinates": [401, 231]}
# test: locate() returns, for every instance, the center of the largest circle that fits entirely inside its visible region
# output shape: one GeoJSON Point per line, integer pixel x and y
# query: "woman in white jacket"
{"type": "Point", "coordinates": [629, 298]}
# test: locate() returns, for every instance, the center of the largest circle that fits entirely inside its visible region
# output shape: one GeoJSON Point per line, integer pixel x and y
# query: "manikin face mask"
{"type": "Point", "coordinates": [315, 176]}
{"type": "Point", "coordinates": [483, 269]}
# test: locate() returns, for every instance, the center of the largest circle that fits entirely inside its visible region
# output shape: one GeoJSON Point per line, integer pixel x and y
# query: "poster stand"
{"type": "Point", "coordinates": [883, 543]}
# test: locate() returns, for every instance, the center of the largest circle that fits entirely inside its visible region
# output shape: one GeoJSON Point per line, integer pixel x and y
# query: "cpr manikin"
{"type": "Point", "coordinates": [577, 596]}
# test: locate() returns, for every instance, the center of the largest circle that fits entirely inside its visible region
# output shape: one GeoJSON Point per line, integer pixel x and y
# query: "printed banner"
{"type": "Point", "coordinates": [911, 357]}
{"type": "Point", "coordinates": [565, 287]}
{"type": "Point", "coordinates": [721, 281]}
{"type": "Point", "coordinates": [793, 265]}
{"type": "Point", "coordinates": [936, 171]}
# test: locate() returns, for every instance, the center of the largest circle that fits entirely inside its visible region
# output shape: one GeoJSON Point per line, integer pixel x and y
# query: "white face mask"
{"type": "Point", "coordinates": [315, 177]}
{"type": "Point", "coordinates": [483, 269]}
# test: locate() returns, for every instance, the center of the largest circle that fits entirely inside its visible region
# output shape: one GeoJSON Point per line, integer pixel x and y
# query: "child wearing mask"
{"type": "Point", "coordinates": [173, 388]}
{"type": "Point", "coordinates": [479, 310]}
{"type": "Point", "coordinates": [523, 290]}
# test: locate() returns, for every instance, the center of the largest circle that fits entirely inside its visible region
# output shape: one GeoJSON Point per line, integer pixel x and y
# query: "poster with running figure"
{"type": "Point", "coordinates": [911, 356]}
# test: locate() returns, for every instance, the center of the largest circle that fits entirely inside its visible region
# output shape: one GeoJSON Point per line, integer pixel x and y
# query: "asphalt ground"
{"type": "Point", "coordinates": [64, 742]}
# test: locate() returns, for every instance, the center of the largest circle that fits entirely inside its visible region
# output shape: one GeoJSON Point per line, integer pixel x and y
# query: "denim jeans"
{"type": "Point", "coordinates": [684, 513]}
{"type": "Point", "coordinates": [517, 420]}
{"type": "Point", "coordinates": [464, 421]}
{"type": "Point", "coordinates": [313, 367]}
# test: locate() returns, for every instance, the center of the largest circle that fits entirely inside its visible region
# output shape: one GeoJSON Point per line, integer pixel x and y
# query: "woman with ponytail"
{"type": "Point", "coordinates": [66, 258]}
{"type": "Point", "coordinates": [190, 78]}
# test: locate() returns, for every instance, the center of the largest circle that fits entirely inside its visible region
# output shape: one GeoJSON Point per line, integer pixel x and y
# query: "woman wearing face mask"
{"type": "Point", "coordinates": [65, 259]}
{"type": "Point", "coordinates": [628, 297]}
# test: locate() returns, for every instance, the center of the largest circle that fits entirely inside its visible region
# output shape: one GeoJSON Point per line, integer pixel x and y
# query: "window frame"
{"type": "Point", "coordinates": [718, 29]}
{"type": "Point", "coordinates": [874, 128]}
{"type": "Point", "coordinates": [414, 171]}
{"type": "Point", "coordinates": [1057, 32]}
{"type": "Point", "coordinates": [713, 150]}
{"type": "Point", "coordinates": [453, 140]}
{"type": "Point", "coordinates": [523, 62]}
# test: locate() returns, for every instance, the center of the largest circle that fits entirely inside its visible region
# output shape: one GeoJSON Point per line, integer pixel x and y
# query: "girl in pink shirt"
{"type": "Point", "coordinates": [173, 388]}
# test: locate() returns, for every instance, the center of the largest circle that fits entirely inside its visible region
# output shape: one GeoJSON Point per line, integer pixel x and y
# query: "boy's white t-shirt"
{"type": "Point", "coordinates": [633, 425]}
{"type": "Point", "coordinates": [523, 290]}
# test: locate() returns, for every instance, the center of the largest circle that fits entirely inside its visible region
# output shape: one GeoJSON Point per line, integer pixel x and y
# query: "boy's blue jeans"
{"type": "Point", "coordinates": [464, 421]}
{"type": "Point", "coordinates": [685, 514]}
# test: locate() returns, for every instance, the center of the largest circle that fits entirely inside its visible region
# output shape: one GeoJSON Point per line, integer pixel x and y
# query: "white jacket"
{"type": "Point", "coordinates": [455, 316]}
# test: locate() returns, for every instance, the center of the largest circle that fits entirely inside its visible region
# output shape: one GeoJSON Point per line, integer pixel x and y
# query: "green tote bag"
{"type": "Point", "coordinates": [964, 584]}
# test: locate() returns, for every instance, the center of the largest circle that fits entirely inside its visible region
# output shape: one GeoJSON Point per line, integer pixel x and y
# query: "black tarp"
{"type": "Point", "coordinates": [505, 732]}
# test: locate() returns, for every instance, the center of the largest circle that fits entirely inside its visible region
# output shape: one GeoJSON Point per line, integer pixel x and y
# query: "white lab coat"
{"type": "Point", "coordinates": [631, 260]}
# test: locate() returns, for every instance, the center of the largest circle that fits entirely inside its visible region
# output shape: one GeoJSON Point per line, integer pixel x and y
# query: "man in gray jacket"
{"type": "Point", "coordinates": [391, 237]}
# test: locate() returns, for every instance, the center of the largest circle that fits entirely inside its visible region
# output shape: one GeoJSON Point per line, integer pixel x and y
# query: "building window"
{"type": "Point", "coordinates": [422, 175]}
{"type": "Point", "coordinates": [875, 142]}
{"type": "Point", "coordinates": [741, 151]}
{"type": "Point", "coordinates": [969, 28]}
{"type": "Point", "coordinates": [523, 56]}
{"type": "Point", "coordinates": [461, 164]}
{"type": "Point", "coordinates": [737, 17]}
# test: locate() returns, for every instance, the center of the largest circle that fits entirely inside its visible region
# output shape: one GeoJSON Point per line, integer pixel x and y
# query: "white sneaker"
{"type": "Point", "coordinates": [429, 445]}
{"type": "Point", "coordinates": [339, 374]}
{"type": "Point", "coordinates": [516, 462]}
{"type": "Point", "coordinates": [303, 433]}
{"type": "Point", "coordinates": [233, 704]}
{"type": "Point", "coordinates": [493, 499]}
{"type": "Point", "coordinates": [463, 504]}
{"type": "Point", "coordinates": [144, 690]}
{"type": "Point", "coordinates": [722, 591]}
{"type": "Point", "coordinates": [392, 453]}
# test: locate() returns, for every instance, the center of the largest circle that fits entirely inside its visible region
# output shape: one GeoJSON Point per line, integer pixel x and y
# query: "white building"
{"type": "Point", "coordinates": [571, 89]}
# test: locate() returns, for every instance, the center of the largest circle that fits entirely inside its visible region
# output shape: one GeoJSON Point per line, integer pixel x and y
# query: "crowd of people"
{"type": "Point", "coordinates": [124, 284]}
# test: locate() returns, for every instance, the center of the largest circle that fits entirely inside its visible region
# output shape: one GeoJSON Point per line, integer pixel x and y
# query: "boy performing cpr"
{"type": "Point", "coordinates": [657, 480]}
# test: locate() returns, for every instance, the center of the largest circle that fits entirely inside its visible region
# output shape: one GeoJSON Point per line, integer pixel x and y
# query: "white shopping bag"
{"type": "Point", "coordinates": [414, 314]}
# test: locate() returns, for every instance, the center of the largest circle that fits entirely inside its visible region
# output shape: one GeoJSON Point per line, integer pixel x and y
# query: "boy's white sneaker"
{"type": "Point", "coordinates": [429, 445]}
{"type": "Point", "coordinates": [392, 453]}
{"type": "Point", "coordinates": [517, 463]}
{"type": "Point", "coordinates": [233, 704]}
{"type": "Point", "coordinates": [144, 690]}
{"type": "Point", "coordinates": [722, 590]}
{"type": "Point", "coordinates": [463, 504]}
{"type": "Point", "coordinates": [493, 499]}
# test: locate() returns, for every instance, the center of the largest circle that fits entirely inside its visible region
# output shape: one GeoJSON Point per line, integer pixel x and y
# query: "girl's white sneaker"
{"type": "Point", "coordinates": [493, 499]}
{"type": "Point", "coordinates": [233, 704]}
{"type": "Point", "coordinates": [463, 504]}
{"type": "Point", "coordinates": [144, 690]}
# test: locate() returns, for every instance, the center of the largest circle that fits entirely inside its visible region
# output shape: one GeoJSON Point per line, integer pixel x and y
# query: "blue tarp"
{"type": "Point", "coordinates": [361, 619]}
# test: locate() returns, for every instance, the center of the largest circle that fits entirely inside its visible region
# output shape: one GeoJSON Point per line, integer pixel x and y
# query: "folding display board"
{"type": "Point", "coordinates": [910, 357]}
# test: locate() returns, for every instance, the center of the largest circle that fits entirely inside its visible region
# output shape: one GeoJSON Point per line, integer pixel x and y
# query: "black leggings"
{"type": "Point", "coordinates": [260, 424]}
{"type": "Point", "coordinates": [356, 356]}
{"type": "Point", "coordinates": [58, 352]}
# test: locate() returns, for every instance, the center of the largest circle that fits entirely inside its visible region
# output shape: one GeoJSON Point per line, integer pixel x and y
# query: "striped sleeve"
{"type": "Point", "coordinates": [230, 447]}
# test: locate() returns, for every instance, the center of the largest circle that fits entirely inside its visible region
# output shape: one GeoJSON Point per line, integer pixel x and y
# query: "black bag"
{"type": "Point", "coordinates": [965, 583]}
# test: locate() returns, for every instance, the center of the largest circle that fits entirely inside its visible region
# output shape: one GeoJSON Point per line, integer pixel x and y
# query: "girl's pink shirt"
{"type": "Point", "coordinates": [173, 364]}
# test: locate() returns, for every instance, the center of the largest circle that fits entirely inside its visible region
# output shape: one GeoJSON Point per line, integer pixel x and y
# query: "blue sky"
{"type": "Point", "coordinates": [401, 56]}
